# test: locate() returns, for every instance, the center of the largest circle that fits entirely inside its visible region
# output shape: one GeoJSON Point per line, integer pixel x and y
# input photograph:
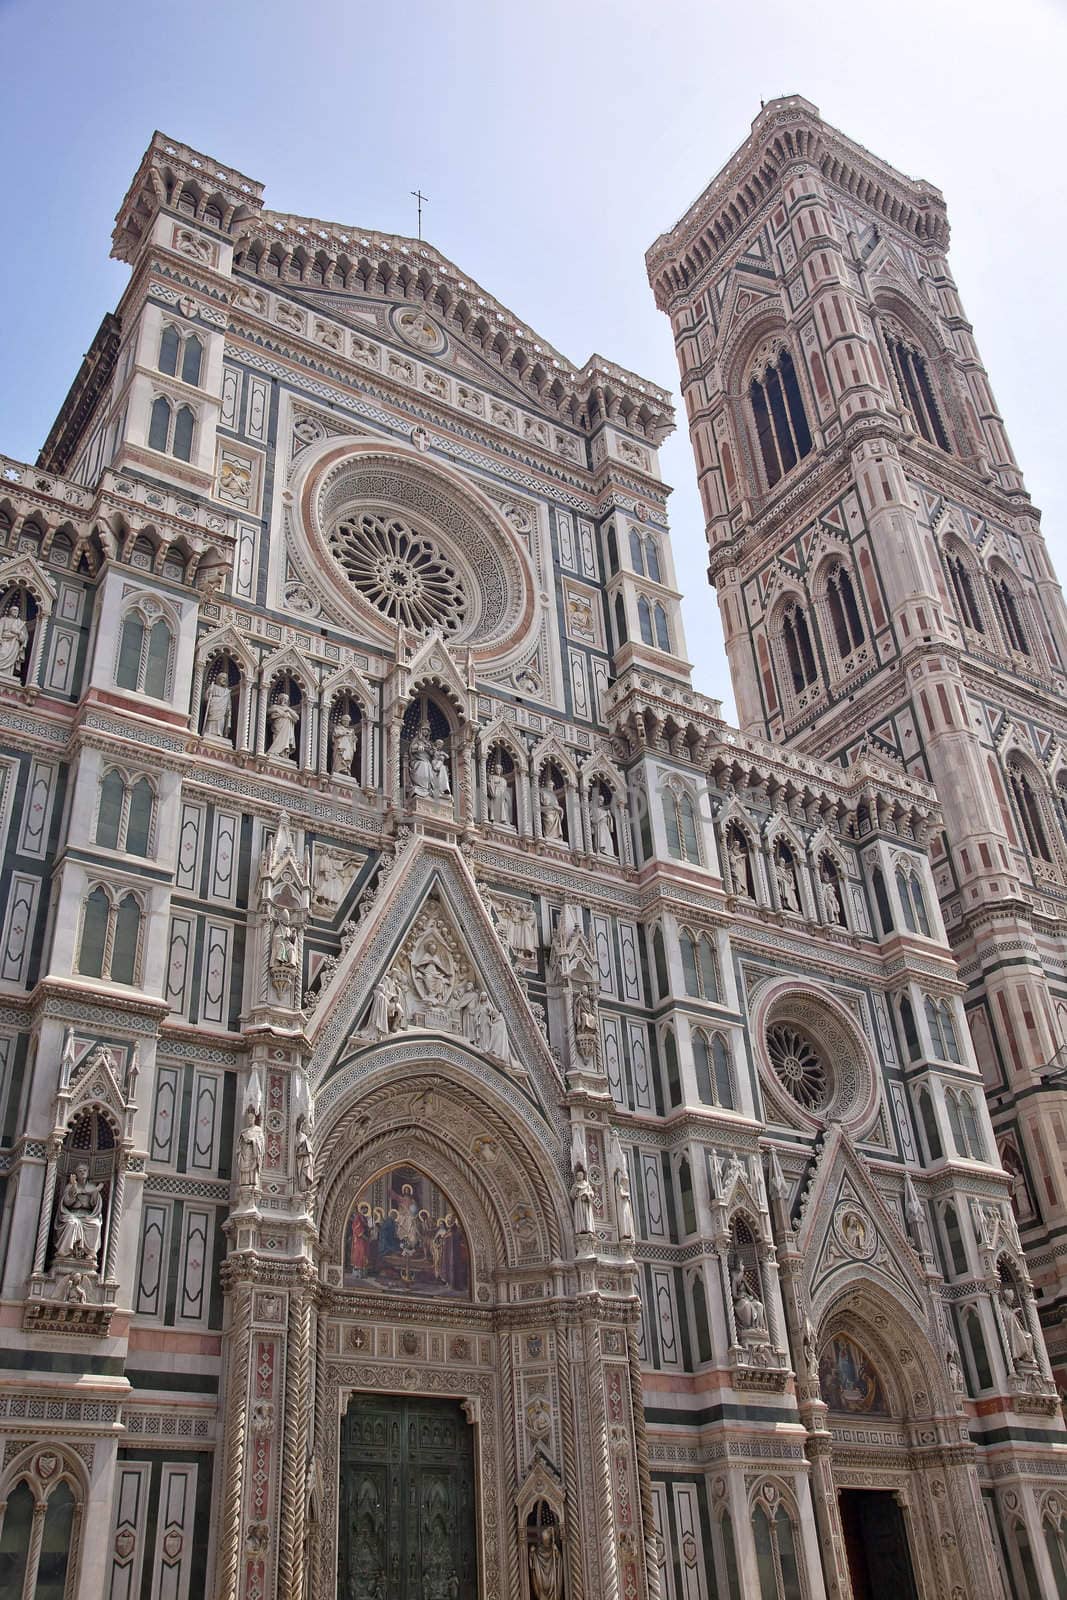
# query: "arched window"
{"type": "Point", "coordinates": [685, 1195]}
{"type": "Point", "coordinates": [125, 814]}
{"type": "Point", "coordinates": [613, 549]}
{"type": "Point", "coordinates": [731, 1581]}
{"type": "Point", "coordinates": [931, 1131]}
{"type": "Point", "coordinates": [180, 352]}
{"type": "Point", "coordinates": [711, 1060]}
{"type": "Point", "coordinates": [652, 566]}
{"type": "Point", "coordinates": [644, 617]}
{"type": "Point", "coordinates": [974, 1344]}
{"type": "Point", "coordinates": [1010, 611]}
{"type": "Point", "coordinates": [659, 961]}
{"type": "Point", "coordinates": [169, 349]}
{"type": "Point", "coordinates": [957, 1252]}
{"type": "Point", "coordinates": [620, 621]}
{"type": "Point", "coordinates": [110, 936]}
{"type": "Point", "coordinates": [778, 414]}
{"type": "Point", "coordinates": [699, 966]}
{"type": "Point", "coordinates": [844, 612]}
{"type": "Point", "coordinates": [800, 657]}
{"type": "Point", "coordinates": [942, 1029]}
{"type": "Point", "coordinates": [700, 1318]}
{"type": "Point", "coordinates": [915, 389]}
{"type": "Point", "coordinates": [1056, 1547]}
{"type": "Point", "coordinates": [171, 431]}
{"type": "Point", "coordinates": [881, 900]}
{"type": "Point", "coordinates": [962, 579]}
{"type": "Point", "coordinates": [663, 636]}
{"type": "Point", "coordinates": [963, 1121]}
{"type": "Point", "coordinates": [192, 359]}
{"type": "Point", "coordinates": [1029, 808]}
{"type": "Point", "coordinates": [911, 1033]}
{"type": "Point", "coordinates": [674, 1076]}
{"type": "Point", "coordinates": [144, 658]}
{"type": "Point", "coordinates": [637, 552]}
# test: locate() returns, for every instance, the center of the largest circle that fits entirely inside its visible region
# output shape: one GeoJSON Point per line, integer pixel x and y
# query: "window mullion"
{"type": "Point", "coordinates": [109, 940]}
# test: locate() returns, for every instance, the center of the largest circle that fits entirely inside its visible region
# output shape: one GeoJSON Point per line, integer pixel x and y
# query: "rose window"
{"type": "Point", "coordinates": [798, 1065]}
{"type": "Point", "coordinates": [402, 573]}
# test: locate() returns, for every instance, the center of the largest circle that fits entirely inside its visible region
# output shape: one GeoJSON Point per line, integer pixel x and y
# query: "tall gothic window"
{"type": "Point", "coordinates": [1009, 610]}
{"type": "Point", "coordinates": [144, 659]}
{"type": "Point", "coordinates": [171, 430]}
{"type": "Point", "coordinates": [962, 579]}
{"type": "Point", "coordinates": [1029, 808]}
{"type": "Point", "coordinates": [916, 389]}
{"type": "Point", "coordinates": [844, 612]}
{"type": "Point", "coordinates": [778, 413]}
{"type": "Point", "coordinates": [180, 353]}
{"type": "Point", "coordinates": [798, 648]}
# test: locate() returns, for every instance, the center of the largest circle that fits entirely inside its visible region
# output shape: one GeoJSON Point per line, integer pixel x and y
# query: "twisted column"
{"type": "Point", "coordinates": [644, 1468]}
{"type": "Point", "coordinates": [571, 1500]}
{"type": "Point", "coordinates": [236, 1413]}
{"type": "Point", "coordinates": [294, 1449]}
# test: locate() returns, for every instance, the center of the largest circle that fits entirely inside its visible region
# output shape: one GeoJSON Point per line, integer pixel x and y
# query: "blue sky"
{"type": "Point", "coordinates": [555, 142]}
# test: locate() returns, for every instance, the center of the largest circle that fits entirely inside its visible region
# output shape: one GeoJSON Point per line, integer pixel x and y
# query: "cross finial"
{"type": "Point", "coordinates": [418, 195]}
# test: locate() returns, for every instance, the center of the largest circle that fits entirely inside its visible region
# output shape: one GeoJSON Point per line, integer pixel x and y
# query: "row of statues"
{"type": "Point", "coordinates": [283, 728]}
{"type": "Point", "coordinates": [785, 880]}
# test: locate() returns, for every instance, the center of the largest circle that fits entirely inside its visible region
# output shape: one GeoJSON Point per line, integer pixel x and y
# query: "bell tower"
{"type": "Point", "coordinates": [881, 573]}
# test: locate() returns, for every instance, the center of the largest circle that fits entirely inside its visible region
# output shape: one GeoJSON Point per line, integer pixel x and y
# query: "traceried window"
{"type": "Point", "coordinates": [963, 587]}
{"type": "Point", "coordinates": [180, 354]}
{"type": "Point", "coordinates": [1010, 611]}
{"type": "Point", "coordinates": [799, 654]}
{"type": "Point", "coordinates": [844, 612]}
{"type": "Point", "coordinates": [963, 1121]}
{"type": "Point", "coordinates": [144, 660]}
{"type": "Point", "coordinates": [655, 630]}
{"type": "Point", "coordinates": [1028, 805]}
{"type": "Point", "coordinates": [171, 429]}
{"type": "Point", "coordinates": [931, 1131]}
{"type": "Point", "coordinates": [33, 1562]}
{"type": "Point", "coordinates": [699, 966]}
{"type": "Point", "coordinates": [915, 388]}
{"type": "Point", "coordinates": [798, 1065]}
{"type": "Point", "coordinates": [942, 1029]}
{"type": "Point", "coordinates": [711, 1062]}
{"type": "Point", "coordinates": [776, 1554]}
{"type": "Point", "coordinates": [912, 902]}
{"type": "Point", "coordinates": [680, 822]}
{"type": "Point", "coordinates": [778, 414]}
{"type": "Point", "coordinates": [110, 935]}
{"type": "Point", "coordinates": [402, 572]}
{"type": "Point", "coordinates": [125, 814]}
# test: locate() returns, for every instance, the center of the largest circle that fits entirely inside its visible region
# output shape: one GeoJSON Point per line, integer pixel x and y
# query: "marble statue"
{"type": "Point", "coordinates": [546, 1566]}
{"type": "Point", "coordinates": [551, 810]}
{"type": "Point", "coordinates": [831, 900]}
{"type": "Point", "coordinates": [440, 777]}
{"type": "Point", "coordinates": [1020, 1339]}
{"type": "Point", "coordinates": [387, 1008]}
{"type": "Point", "coordinates": [305, 1158]}
{"type": "Point", "coordinates": [737, 856]}
{"type": "Point", "coordinates": [250, 1150]}
{"type": "Point", "coordinates": [283, 952]}
{"type": "Point", "coordinates": [499, 787]}
{"type": "Point", "coordinates": [603, 827]}
{"type": "Point", "coordinates": [345, 746]}
{"type": "Point", "coordinates": [624, 1210]}
{"type": "Point", "coordinates": [749, 1314]}
{"type": "Point", "coordinates": [14, 637]}
{"type": "Point", "coordinates": [785, 878]}
{"type": "Point", "coordinates": [217, 709]}
{"type": "Point", "coordinates": [584, 1199]}
{"type": "Point", "coordinates": [80, 1219]}
{"type": "Point", "coordinates": [420, 763]}
{"type": "Point", "coordinates": [283, 718]}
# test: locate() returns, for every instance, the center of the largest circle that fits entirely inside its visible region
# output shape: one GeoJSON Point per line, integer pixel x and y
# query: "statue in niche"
{"type": "Point", "coordinates": [490, 1029]}
{"type": "Point", "coordinates": [585, 1010]}
{"type": "Point", "coordinates": [345, 747]}
{"type": "Point", "coordinates": [440, 776]}
{"type": "Point", "coordinates": [80, 1219]}
{"type": "Point", "coordinates": [420, 763]}
{"type": "Point", "coordinates": [551, 810]}
{"type": "Point", "coordinates": [250, 1150]}
{"type": "Point", "coordinates": [749, 1314]}
{"type": "Point", "coordinates": [1020, 1339]}
{"type": "Point", "coordinates": [583, 1198]}
{"type": "Point", "coordinates": [955, 1371]}
{"type": "Point", "coordinates": [305, 1157]}
{"type": "Point", "coordinates": [283, 717]}
{"type": "Point", "coordinates": [283, 951]}
{"type": "Point", "coordinates": [737, 856]}
{"type": "Point", "coordinates": [785, 878]}
{"type": "Point", "coordinates": [499, 787]}
{"type": "Point", "coordinates": [811, 1351]}
{"type": "Point", "coordinates": [831, 899]}
{"type": "Point", "coordinates": [603, 827]}
{"type": "Point", "coordinates": [387, 1008]}
{"type": "Point", "coordinates": [217, 710]}
{"type": "Point", "coordinates": [14, 638]}
{"type": "Point", "coordinates": [433, 971]}
{"type": "Point", "coordinates": [624, 1210]}
{"type": "Point", "coordinates": [546, 1564]}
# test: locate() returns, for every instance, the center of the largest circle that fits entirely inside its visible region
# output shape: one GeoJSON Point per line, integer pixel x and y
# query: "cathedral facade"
{"type": "Point", "coordinates": [472, 1122]}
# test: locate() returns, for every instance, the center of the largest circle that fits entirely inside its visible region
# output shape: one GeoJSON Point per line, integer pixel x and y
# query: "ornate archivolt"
{"type": "Point", "coordinates": [393, 539]}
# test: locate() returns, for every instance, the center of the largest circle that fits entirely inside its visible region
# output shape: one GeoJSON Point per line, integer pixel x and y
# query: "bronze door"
{"type": "Point", "coordinates": [876, 1544]}
{"type": "Point", "coordinates": [406, 1501]}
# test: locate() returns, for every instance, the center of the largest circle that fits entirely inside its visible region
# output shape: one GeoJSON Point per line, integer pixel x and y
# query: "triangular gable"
{"type": "Point", "coordinates": [428, 869]}
{"type": "Point", "coordinates": [847, 1230]}
{"type": "Point", "coordinates": [26, 570]}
